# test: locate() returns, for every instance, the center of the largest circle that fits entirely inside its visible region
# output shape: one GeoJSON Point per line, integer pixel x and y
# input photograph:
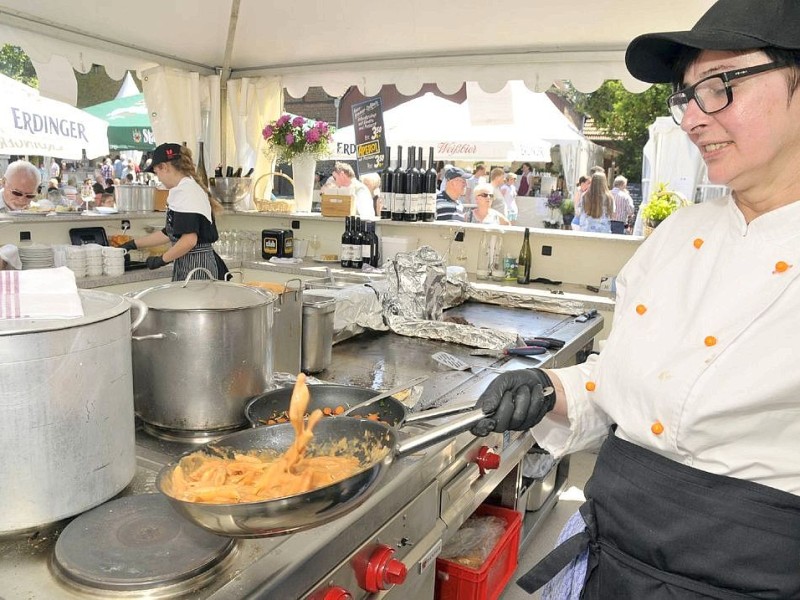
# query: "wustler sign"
{"type": "Point", "coordinates": [369, 134]}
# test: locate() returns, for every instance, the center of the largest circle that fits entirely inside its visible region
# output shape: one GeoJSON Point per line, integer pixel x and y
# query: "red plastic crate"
{"type": "Point", "coordinates": [457, 582]}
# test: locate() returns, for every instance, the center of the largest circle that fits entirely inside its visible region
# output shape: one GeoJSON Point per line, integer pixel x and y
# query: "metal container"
{"type": "Point", "coordinates": [202, 352]}
{"type": "Point", "coordinates": [135, 198]}
{"type": "Point", "coordinates": [317, 332]}
{"type": "Point", "coordinates": [66, 412]}
{"type": "Point", "coordinates": [230, 190]}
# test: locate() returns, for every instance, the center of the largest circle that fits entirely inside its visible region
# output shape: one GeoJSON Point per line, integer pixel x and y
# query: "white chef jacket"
{"type": "Point", "coordinates": [701, 365]}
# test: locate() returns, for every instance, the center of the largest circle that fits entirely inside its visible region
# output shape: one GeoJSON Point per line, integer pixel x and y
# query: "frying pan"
{"type": "Point", "coordinates": [373, 442]}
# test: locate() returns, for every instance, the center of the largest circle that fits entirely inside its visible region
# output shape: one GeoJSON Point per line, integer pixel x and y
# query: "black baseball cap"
{"type": "Point", "coordinates": [727, 25]}
{"type": "Point", "coordinates": [164, 153]}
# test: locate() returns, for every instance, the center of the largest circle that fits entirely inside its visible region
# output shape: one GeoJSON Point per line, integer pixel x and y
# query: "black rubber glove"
{"type": "Point", "coordinates": [129, 245]}
{"type": "Point", "coordinates": [155, 262]}
{"type": "Point", "coordinates": [514, 400]}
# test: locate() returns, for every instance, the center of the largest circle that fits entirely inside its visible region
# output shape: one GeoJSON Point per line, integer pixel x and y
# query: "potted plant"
{"type": "Point", "coordinates": [568, 212]}
{"type": "Point", "coordinates": [662, 203]}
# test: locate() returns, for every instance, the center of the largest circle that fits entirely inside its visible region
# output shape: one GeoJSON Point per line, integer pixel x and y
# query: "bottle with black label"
{"type": "Point", "coordinates": [524, 260]}
{"type": "Point", "coordinates": [398, 188]}
{"type": "Point", "coordinates": [387, 196]}
{"type": "Point", "coordinates": [429, 190]}
{"type": "Point", "coordinates": [355, 244]}
{"type": "Point", "coordinates": [411, 188]}
{"type": "Point", "coordinates": [344, 253]}
{"type": "Point", "coordinates": [366, 245]}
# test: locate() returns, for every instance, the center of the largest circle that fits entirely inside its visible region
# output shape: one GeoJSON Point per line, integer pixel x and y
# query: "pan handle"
{"type": "Point", "coordinates": [440, 433]}
{"type": "Point", "coordinates": [141, 311]}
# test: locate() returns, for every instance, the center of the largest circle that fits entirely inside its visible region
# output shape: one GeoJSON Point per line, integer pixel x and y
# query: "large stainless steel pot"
{"type": "Point", "coordinates": [66, 412]}
{"type": "Point", "coordinates": [201, 353]}
{"type": "Point", "coordinates": [135, 198]}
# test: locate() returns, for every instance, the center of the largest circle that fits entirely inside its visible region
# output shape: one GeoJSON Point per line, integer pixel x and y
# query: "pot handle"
{"type": "Point", "coordinates": [141, 312]}
{"type": "Point", "coordinates": [440, 433]}
{"type": "Point", "coordinates": [169, 335]}
{"type": "Point", "coordinates": [193, 271]}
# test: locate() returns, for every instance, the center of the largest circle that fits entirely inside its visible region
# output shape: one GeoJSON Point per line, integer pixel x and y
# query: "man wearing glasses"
{"type": "Point", "coordinates": [22, 183]}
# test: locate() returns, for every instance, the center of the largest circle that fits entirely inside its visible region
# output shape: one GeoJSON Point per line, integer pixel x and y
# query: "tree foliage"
{"type": "Point", "coordinates": [15, 64]}
{"type": "Point", "coordinates": [625, 116]}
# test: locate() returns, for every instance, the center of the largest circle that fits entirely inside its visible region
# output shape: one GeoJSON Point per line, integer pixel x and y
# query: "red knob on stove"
{"type": "Point", "coordinates": [487, 459]}
{"type": "Point", "coordinates": [337, 593]}
{"type": "Point", "coordinates": [383, 571]}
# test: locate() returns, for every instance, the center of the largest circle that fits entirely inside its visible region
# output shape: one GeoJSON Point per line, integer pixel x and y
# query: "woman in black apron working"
{"type": "Point", "coordinates": [190, 224]}
{"type": "Point", "coordinates": [695, 399]}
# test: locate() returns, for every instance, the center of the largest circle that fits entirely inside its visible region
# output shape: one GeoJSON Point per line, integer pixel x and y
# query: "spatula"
{"type": "Point", "coordinates": [386, 394]}
{"type": "Point", "coordinates": [453, 362]}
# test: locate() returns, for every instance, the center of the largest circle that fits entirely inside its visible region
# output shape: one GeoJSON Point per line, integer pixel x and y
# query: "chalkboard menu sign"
{"type": "Point", "coordinates": [370, 140]}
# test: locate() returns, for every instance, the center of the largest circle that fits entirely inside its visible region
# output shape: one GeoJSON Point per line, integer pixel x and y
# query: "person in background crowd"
{"type": "Point", "coordinates": [345, 177]}
{"type": "Point", "coordinates": [695, 493]}
{"type": "Point", "coordinates": [107, 170]}
{"type": "Point", "coordinates": [497, 177]}
{"type": "Point", "coordinates": [373, 183]}
{"type": "Point", "coordinates": [483, 212]}
{"type": "Point", "coordinates": [107, 200]}
{"type": "Point", "coordinates": [478, 176]}
{"type": "Point", "coordinates": [118, 166]}
{"type": "Point", "coordinates": [509, 190]}
{"type": "Point", "coordinates": [55, 169]}
{"type": "Point", "coordinates": [190, 220]}
{"type": "Point", "coordinates": [623, 205]}
{"type": "Point", "coordinates": [598, 206]}
{"type": "Point", "coordinates": [448, 201]}
{"type": "Point", "coordinates": [52, 185]}
{"type": "Point", "coordinates": [99, 190]}
{"type": "Point", "coordinates": [577, 199]}
{"type": "Point", "coordinates": [22, 181]}
{"type": "Point", "coordinates": [109, 187]}
{"type": "Point", "coordinates": [524, 187]}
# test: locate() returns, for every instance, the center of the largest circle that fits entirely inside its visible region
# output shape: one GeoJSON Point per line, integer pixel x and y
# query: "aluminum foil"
{"type": "Point", "coordinates": [468, 335]}
{"type": "Point", "coordinates": [557, 304]}
{"type": "Point", "coordinates": [456, 290]}
{"type": "Point", "coordinates": [416, 285]}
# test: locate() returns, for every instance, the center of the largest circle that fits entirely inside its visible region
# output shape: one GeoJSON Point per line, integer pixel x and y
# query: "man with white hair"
{"type": "Point", "coordinates": [623, 205]}
{"type": "Point", "coordinates": [22, 184]}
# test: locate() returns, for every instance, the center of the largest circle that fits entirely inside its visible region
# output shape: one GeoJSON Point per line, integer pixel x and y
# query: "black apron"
{"type": "Point", "coordinates": [660, 530]}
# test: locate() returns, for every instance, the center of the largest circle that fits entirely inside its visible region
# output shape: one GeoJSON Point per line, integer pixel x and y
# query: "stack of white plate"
{"type": "Point", "coordinates": [113, 261]}
{"type": "Point", "coordinates": [75, 260]}
{"type": "Point", "coordinates": [36, 256]}
{"type": "Point", "coordinates": [94, 259]}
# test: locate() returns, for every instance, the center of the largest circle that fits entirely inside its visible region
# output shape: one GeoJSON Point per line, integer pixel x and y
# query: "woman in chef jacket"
{"type": "Point", "coordinates": [190, 223]}
{"type": "Point", "coordinates": [695, 399]}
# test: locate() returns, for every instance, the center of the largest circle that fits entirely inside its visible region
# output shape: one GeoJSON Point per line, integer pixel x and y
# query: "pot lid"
{"type": "Point", "coordinates": [97, 306]}
{"type": "Point", "coordinates": [204, 294]}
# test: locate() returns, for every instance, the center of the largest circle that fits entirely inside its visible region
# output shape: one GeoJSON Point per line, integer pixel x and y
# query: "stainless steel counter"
{"type": "Point", "coordinates": [408, 512]}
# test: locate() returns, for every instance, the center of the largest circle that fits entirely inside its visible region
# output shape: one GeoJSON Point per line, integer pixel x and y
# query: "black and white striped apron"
{"type": "Point", "coordinates": [202, 255]}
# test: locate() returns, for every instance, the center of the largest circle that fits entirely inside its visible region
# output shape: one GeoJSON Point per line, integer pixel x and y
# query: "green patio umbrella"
{"type": "Point", "coordinates": [128, 123]}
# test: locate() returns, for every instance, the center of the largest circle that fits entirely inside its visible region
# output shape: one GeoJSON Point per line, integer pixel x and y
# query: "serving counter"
{"type": "Point", "coordinates": [401, 526]}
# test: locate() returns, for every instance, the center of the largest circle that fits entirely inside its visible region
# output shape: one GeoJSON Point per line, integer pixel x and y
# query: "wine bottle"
{"type": "Point", "coordinates": [201, 165]}
{"type": "Point", "coordinates": [398, 187]}
{"type": "Point", "coordinates": [374, 245]}
{"type": "Point", "coordinates": [524, 260]}
{"type": "Point", "coordinates": [387, 197]}
{"type": "Point", "coordinates": [218, 171]}
{"type": "Point", "coordinates": [344, 253]}
{"type": "Point", "coordinates": [429, 187]}
{"type": "Point", "coordinates": [355, 244]}
{"type": "Point", "coordinates": [250, 172]}
{"type": "Point", "coordinates": [366, 245]}
{"type": "Point", "coordinates": [411, 185]}
{"type": "Point", "coordinates": [238, 172]}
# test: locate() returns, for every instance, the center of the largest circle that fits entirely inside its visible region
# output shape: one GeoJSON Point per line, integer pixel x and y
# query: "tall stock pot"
{"type": "Point", "coordinates": [66, 412]}
{"type": "Point", "coordinates": [203, 350]}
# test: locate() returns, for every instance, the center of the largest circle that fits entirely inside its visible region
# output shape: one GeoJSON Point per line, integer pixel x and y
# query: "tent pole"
{"type": "Point", "coordinates": [225, 75]}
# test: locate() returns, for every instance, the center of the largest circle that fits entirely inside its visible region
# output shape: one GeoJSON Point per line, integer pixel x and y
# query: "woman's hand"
{"type": "Point", "coordinates": [515, 400]}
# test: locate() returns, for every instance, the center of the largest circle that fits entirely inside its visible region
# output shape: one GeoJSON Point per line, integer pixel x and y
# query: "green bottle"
{"type": "Point", "coordinates": [524, 260]}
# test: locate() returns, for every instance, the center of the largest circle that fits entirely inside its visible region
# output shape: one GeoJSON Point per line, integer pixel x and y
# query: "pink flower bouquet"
{"type": "Point", "coordinates": [289, 136]}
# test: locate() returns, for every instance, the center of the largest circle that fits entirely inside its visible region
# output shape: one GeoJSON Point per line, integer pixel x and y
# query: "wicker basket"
{"type": "Point", "coordinates": [269, 205]}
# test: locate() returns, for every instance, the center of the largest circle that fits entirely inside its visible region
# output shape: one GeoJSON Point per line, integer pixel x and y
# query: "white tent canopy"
{"type": "Point", "coordinates": [33, 125]}
{"type": "Point", "coordinates": [185, 51]}
{"type": "Point", "coordinates": [432, 121]}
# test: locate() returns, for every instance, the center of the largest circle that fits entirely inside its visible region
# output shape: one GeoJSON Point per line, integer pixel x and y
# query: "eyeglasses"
{"type": "Point", "coordinates": [485, 195]}
{"type": "Point", "coordinates": [19, 194]}
{"type": "Point", "coordinates": [712, 93]}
